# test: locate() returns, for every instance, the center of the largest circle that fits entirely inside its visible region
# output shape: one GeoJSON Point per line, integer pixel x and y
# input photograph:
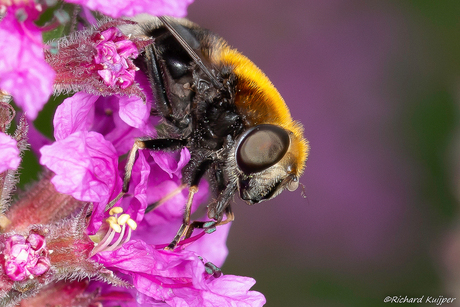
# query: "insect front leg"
{"type": "Point", "coordinates": [167, 108]}
{"type": "Point", "coordinates": [186, 229]}
{"type": "Point", "coordinates": [152, 144]}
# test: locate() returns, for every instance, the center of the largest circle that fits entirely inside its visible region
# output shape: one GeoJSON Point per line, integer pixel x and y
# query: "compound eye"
{"type": "Point", "coordinates": [261, 148]}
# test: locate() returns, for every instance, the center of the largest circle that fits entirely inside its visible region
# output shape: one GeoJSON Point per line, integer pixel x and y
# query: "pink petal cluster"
{"type": "Point", "coordinates": [9, 153]}
{"type": "Point", "coordinates": [25, 258]}
{"type": "Point", "coordinates": [114, 56]}
{"type": "Point", "coordinates": [98, 61]}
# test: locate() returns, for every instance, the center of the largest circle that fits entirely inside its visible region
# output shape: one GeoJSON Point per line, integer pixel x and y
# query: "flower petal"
{"type": "Point", "coordinates": [23, 71]}
{"type": "Point", "coordinates": [139, 179]}
{"type": "Point", "coordinates": [169, 163]}
{"type": "Point", "coordinates": [179, 279]}
{"type": "Point", "coordinates": [76, 113]}
{"type": "Point", "coordinates": [118, 8]}
{"type": "Point", "coordinates": [134, 111]}
{"type": "Point", "coordinates": [230, 290]}
{"type": "Point", "coordinates": [9, 153]}
{"type": "Point", "coordinates": [85, 165]}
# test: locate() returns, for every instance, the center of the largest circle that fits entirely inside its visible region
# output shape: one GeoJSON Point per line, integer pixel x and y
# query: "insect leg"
{"type": "Point", "coordinates": [220, 205]}
{"type": "Point", "coordinates": [156, 81]}
{"type": "Point", "coordinates": [152, 144]}
{"type": "Point", "coordinates": [230, 217]}
{"type": "Point", "coordinates": [186, 221]}
{"type": "Point", "coordinates": [198, 173]}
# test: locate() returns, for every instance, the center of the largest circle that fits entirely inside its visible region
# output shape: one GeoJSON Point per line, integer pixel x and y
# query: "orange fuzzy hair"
{"type": "Point", "coordinates": [260, 102]}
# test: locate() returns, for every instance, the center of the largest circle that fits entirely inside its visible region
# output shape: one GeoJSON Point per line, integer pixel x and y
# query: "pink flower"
{"type": "Point", "coordinates": [9, 153]}
{"type": "Point", "coordinates": [179, 279]}
{"type": "Point", "coordinates": [120, 8]}
{"type": "Point", "coordinates": [91, 132]}
{"type": "Point", "coordinates": [98, 61]}
{"type": "Point", "coordinates": [25, 258]}
{"type": "Point", "coordinates": [23, 71]}
{"type": "Point", "coordinates": [85, 165]}
{"type": "Point", "coordinates": [114, 53]}
{"type": "Point", "coordinates": [155, 174]}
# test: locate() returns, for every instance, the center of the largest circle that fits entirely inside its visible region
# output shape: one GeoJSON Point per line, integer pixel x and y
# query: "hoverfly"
{"type": "Point", "coordinates": [218, 104]}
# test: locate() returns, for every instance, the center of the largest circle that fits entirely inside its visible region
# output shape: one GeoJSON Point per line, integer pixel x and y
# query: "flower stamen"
{"type": "Point", "coordinates": [117, 225]}
{"type": "Point", "coordinates": [132, 224]}
{"type": "Point", "coordinates": [115, 210]}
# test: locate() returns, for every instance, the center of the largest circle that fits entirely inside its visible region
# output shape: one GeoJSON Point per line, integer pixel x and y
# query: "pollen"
{"type": "Point", "coordinates": [116, 210]}
{"type": "Point", "coordinates": [123, 219]}
{"type": "Point", "coordinates": [132, 224]}
{"type": "Point", "coordinates": [115, 227]}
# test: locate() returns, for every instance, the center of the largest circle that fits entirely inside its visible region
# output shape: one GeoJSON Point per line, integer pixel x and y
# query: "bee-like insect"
{"type": "Point", "coordinates": [218, 104]}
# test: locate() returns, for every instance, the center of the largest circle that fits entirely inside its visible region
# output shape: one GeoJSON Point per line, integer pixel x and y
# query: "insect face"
{"type": "Point", "coordinates": [264, 163]}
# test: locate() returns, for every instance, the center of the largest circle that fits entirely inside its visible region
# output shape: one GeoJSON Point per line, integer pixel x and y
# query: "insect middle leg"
{"type": "Point", "coordinates": [198, 172]}
{"type": "Point", "coordinates": [186, 221]}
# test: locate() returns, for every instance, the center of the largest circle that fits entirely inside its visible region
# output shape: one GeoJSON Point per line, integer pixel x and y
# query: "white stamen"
{"type": "Point", "coordinates": [117, 243]}
{"type": "Point", "coordinates": [116, 225]}
{"type": "Point", "coordinates": [105, 242]}
{"type": "Point", "coordinates": [128, 236]}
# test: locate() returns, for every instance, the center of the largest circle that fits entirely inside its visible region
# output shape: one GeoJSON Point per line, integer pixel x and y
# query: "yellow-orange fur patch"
{"type": "Point", "coordinates": [259, 101]}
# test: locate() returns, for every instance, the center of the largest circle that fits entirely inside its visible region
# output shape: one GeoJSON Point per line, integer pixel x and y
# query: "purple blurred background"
{"type": "Point", "coordinates": [374, 84]}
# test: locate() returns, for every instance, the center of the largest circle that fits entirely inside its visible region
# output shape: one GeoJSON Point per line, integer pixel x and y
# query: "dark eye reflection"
{"type": "Point", "coordinates": [261, 148]}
